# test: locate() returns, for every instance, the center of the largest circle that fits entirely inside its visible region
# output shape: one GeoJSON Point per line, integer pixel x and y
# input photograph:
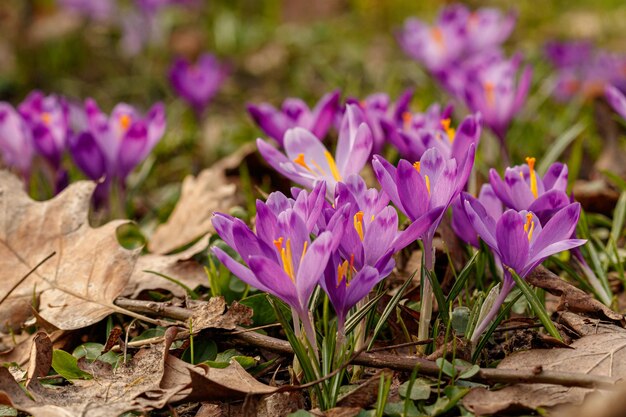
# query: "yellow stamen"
{"type": "Point", "coordinates": [304, 250]}
{"type": "Point", "coordinates": [300, 161]}
{"type": "Point", "coordinates": [358, 224]}
{"type": "Point", "coordinates": [437, 35]}
{"type": "Point", "coordinates": [332, 165]}
{"type": "Point", "coordinates": [417, 166]}
{"type": "Point", "coordinates": [342, 272]}
{"type": "Point", "coordinates": [286, 256]}
{"type": "Point", "coordinates": [125, 121]}
{"type": "Point", "coordinates": [490, 93]}
{"type": "Point", "coordinates": [46, 118]}
{"type": "Point", "coordinates": [533, 176]}
{"type": "Point", "coordinates": [529, 227]}
{"type": "Point", "coordinates": [450, 131]}
{"type": "Point", "coordinates": [427, 183]}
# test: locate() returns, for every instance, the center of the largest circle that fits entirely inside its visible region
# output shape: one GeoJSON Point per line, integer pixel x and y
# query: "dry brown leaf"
{"type": "Point", "coordinates": [152, 379]}
{"type": "Point", "coordinates": [599, 354]}
{"type": "Point", "coordinates": [585, 326]}
{"type": "Point", "coordinates": [212, 314]}
{"type": "Point", "coordinates": [179, 266]}
{"type": "Point", "coordinates": [89, 265]}
{"type": "Point", "coordinates": [200, 197]}
{"type": "Point", "coordinates": [572, 298]}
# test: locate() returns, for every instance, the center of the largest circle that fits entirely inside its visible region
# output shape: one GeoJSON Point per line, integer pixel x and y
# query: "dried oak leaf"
{"type": "Point", "coordinates": [598, 354]}
{"type": "Point", "coordinates": [200, 197]}
{"type": "Point", "coordinates": [212, 314]}
{"type": "Point", "coordinates": [152, 379]}
{"type": "Point", "coordinates": [180, 266]}
{"type": "Point", "coordinates": [89, 269]}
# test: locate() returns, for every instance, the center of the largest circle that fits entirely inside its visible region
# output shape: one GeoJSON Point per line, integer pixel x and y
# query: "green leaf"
{"type": "Point", "coordinates": [191, 293]}
{"type": "Point", "coordinates": [66, 365]}
{"type": "Point", "coordinates": [441, 299]}
{"type": "Point", "coordinates": [393, 303]}
{"type": "Point", "coordinates": [150, 333]}
{"type": "Point", "coordinates": [469, 372]}
{"type": "Point", "coordinates": [462, 279]}
{"type": "Point", "coordinates": [460, 320]}
{"type": "Point", "coordinates": [263, 312]}
{"type": "Point", "coordinates": [93, 351]}
{"type": "Point", "coordinates": [419, 391]}
{"type": "Point", "coordinates": [618, 217]}
{"type": "Point", "coordinates": [399, 410]}
{"type": "Point", "coordinates": [300, 413]}
{"type": "Point", "coordinates": [536, 305]}
{"type": "Point", "coordinates": [446, 367]}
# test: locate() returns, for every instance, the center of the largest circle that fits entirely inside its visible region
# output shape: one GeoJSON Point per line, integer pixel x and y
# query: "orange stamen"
{"type": "Point", "coordinates": [533, 176]}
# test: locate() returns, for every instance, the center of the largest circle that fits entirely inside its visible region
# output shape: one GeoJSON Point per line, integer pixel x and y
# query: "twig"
{"type": "Point", "coordinates": [396, 362]}
{"type": "Point", "coordinates": [401, 345]}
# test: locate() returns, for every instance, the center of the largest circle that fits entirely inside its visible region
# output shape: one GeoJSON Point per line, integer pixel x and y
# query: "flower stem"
{"type": "Point", "coordinates": [426, 308]}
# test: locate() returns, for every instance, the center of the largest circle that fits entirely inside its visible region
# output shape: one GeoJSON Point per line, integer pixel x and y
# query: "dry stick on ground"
{"type": "Point", "coordinates": [380, 360]}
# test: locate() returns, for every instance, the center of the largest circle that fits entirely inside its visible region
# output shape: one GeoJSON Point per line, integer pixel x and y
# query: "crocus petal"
{"type": "Point", "coordinates": [467, 133]}
{"type": "Point", "coordinates": [270, 120]}
{"type": "Point", "coordinates": [324, 113]}
{"type": "Point", "coordinates": [499, 187]}
{"type": "Point", "coordinates": [560, 227]}
{"type": "Point", "coordinates": [549, 203]}
{"type": "Point", "coordinates": [361, 285]}
{"type": "Point", "coordinates": [386, 174]}
{"type": "Point", "coordinates": [279, 162]}
{"type": "Point", "coordinates": [412, 190]}
{"type": "Point", "coordinates": [266, 223]}
{"type": "Point", "coordinates": [88, 155]}
{"type": "Point", "coordinates": [512, 240]}
{"type": "Point", "coordinates": [312, 266]}
{"type": "Point", "coordinates": [247, 244]}
{"type": "Point", "coordinates": [380, 234]}
{"type": "Point", "coordinates": [482, 222]}
{"type": "Point", "coordinates": [223, 224]}
{"type": "Point", "coordinates": [239, 270]}
{"type": "Point", "coordinates": [132, 148]}
{"type": "Point", "coordinates": [275, 281]}
{"type": "Point", "coordinates": [417, 229]}
{"type": "Point", "coordinates": [616, 99]}
{"type": "Point", "coordinates": [550, 250]}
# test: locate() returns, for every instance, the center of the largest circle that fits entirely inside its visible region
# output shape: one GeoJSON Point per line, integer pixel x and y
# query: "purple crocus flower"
{"type": "Point", "coordinates": [568, 54]}
{"type": "Point", "coordinates": [47, 118]}
{"type": "Point", "coordinates": [487, 28]}
{"type": "Point", "coordinates": [432, 182]}
{"type": "Point", "coordinates": [295, 113]}
{"type": "Point", "coordinates": [457, 34]}
{"type": "Point", "coordinates": [439, 45]}
{"type": "Point", "coordinates": [280, 257]}
{"type": "Point", "coordinates": [307, 161]}
{"type": "Point", "coordinates": [583, 70]}
{"type": "Point", "coordinates": [379, 110]}
{"type": "Point", "coordinates": [16, 144]}
{"type": "Point", "coordinates": [114, 145]}
{"type": "Point", "coordinates": [460, 222]}
{"type": "Point", "coordinates": [197, 83]}
{"type": "Point", "coordinates": [369, 240]}
{"type": "Point", "coordinates": [496, 91]}
{"type": "Point", "coordinates": [415, 189]}
{"type": "Point", "coordinates": [523, 189]}
{"type": "Point", "coordinates": [520, 242]}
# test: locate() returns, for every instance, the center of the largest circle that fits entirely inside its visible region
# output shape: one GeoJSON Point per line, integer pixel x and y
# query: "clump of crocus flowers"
{"type": "Point", "coordinates": [44, 129]}
{"type": "Point", "coordinates": [462, 51]}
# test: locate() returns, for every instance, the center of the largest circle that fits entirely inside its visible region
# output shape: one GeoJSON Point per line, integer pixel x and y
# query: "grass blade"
{"type": "Point", "coordinates": [462, 278]}
{"type": "Point", "coordinates": [536, 305]}
{"type": "Point", "coordinates": [390, 309]}
{"type": "Point", "coordinates": [494, 326]}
